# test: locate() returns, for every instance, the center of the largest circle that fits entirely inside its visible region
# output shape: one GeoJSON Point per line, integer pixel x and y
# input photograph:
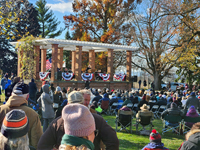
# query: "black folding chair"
{"type": "Point", "coordinates": [124, 119]}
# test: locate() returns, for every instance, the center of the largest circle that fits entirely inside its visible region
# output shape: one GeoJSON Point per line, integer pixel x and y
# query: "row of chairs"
{"type": "Point", "coordinates": [178, 123]}
{"type": "Point", "coordinates": [156, 109]}
{"type": "Point", "coordinates": [124, 120]}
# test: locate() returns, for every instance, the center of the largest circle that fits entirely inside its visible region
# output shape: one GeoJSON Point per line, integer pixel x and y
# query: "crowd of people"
{"type": "Point", "coordinates": [67, 119]}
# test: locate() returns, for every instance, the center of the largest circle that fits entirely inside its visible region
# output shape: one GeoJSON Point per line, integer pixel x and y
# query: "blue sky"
{"type": "Point", "coordinates": [60, 8]}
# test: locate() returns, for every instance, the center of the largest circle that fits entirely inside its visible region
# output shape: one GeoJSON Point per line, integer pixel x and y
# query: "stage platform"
{"type": "Point", "coordinates": [123, 85]}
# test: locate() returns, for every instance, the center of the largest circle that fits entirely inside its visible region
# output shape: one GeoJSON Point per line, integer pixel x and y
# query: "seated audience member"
{"type": "Point", "coordinates": [144, 111]}
{"type": "Point", "coordinates": [127, 101]}
{"type": "Point", "coordinates": [174, 111]}
{"type": "Point", "coordinates": [113, 99]}
{"type": "Point", "coordinates": [192, 101]}
{"type": "Point", "coordinates": [97, 97]}
{"type": "Point", "coordinates": [119, 101]}
{"type": "Point", "coordinates": [192, 138]}
{"type": "Point", "coordinates": [191, 113]}
{"type": "Point", "coordinates": [155, 142]}
{"type": "Point", "coordinates": [142, 102]}
{"type": "Point", "coordinates": [135, 99]}
{"type": "Point", "coordinates": [125, 108]}
{"type": "Point", "coordinates": [183, 101]}
{"type": "Point", "coordinates": [14, 131]}
{"type": "Point", "coordinates": [53, 135]}
{"type": "Point", "coordinates": [161, 101]}
{"type": "Point", "coordinates": [79, 127]}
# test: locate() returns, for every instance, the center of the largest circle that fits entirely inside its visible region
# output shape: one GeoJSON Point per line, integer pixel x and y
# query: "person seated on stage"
{"type": "Point", "coordinates": [88, 68]}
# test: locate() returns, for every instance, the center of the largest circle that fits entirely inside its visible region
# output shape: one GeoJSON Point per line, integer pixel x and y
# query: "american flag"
{"type": "Point", "coordinates": [48, 64]}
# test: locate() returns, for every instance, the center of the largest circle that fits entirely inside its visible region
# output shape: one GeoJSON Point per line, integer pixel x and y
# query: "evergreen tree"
{"type": "Point", "coordinates": [47, 20]}
{"type": "Point", "coordinates": [28, 22]}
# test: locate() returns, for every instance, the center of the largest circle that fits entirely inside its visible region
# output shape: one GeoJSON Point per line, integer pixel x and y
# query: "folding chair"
{"type": "Point", "coordinates": [135, 107]}
{"type": "Point", "coordinates": [144, 121]}
{"type": "Point", "coordinates": [124, 119]}
{"type": "Point", "coordinates": [113, 108]}
{"type": "Point", "coordinates": [154, 109]}
{"type": "Point", "coordinates": [160, 110]}
{"type": "Point", "coordinates": [130, 105]}
{"type": "Point", "coordinates": [104, 106]}
{"type": "Point", "coordinates": [191, 120]}
{"type": "Point", "coordinates": [174, 124]}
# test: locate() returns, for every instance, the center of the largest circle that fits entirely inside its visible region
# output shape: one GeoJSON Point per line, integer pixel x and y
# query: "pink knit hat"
{"type": "Point", "coordinates": [78, 121]}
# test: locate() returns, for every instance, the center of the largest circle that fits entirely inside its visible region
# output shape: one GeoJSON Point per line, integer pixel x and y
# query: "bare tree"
{"type": "Point", "coordinates": [152, 35]}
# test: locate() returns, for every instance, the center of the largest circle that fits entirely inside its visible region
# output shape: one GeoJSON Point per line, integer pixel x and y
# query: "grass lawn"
{"type": "Point", "coordinates": [137, 142]}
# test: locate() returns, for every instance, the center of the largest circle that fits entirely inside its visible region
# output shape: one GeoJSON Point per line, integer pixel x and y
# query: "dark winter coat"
{"type": "Point", "coordinates": [193, 140]}
{"type": "Point", "coordinates": [97, 98]}
{"type": "Point", "coordinates": [174, 110]}
{"type": "Point", "coordinates": [192, 101]}
{"type": "Point", "coordinates": [57, 98]}
{"type": "Point", "coordinates": [32, 91]}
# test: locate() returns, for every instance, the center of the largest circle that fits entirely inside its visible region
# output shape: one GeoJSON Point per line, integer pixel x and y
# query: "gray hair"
{"type": "Point", "coordinates": [21, 143]}
{"type": "Point", "coordinates": [84, 91]}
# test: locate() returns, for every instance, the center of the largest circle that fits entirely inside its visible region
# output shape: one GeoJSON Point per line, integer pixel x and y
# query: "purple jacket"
{"type": "Point", "coordinates": [191, 113]}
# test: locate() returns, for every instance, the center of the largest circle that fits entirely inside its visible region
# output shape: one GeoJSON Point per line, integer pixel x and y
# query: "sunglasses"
{"type": "Point", "coordinates": [96, 132]}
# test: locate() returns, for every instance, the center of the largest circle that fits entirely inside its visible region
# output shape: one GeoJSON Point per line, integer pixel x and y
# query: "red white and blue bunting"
{"type": "Point", "coordinates": [87, 76]}
{"type": "Point", "coordinates": [67, 76]}
{"type": "Point", "coordinates": [104, 76]}
{"type": "Point", "coordinates": [43, 75]}
{"type": "Point", "coordinates": [119, 76]}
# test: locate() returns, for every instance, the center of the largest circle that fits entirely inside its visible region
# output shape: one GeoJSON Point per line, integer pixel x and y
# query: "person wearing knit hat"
{"type": "Point", "coordinates": [14, 131]}
{"type": "Point", "coordinates": [57, 98]}
{"type": "Point", "coordinates": [191, 113]}
{"type": "Point", "coordinates": [19, 100]}
{"type": "Point", "coordinates": [55, 131]}
{"type": "Point", "coordinates": [155, 142]}
{"type": "Point", "coordinates": [79, 127]}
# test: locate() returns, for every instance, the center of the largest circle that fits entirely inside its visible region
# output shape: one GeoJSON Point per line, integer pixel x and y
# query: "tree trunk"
{"type": "Point", "coordinates": [157, 81]}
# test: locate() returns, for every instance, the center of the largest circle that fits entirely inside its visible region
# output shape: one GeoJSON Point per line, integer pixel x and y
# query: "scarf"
{"type": "Point", "coordinates": [76, 141]}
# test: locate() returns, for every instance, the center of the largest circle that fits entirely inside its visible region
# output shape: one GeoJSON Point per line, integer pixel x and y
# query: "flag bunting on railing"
{"type": "Point", "coordinates": [67, 76]}
{"type": "Point", "coordinates": [87, 76]}
{"type": "Point", "coordinates": [119, 76]}
{"type": "Point", "coordinates": [104, 76]}
{"type": "Point", "coordinates": [43, 75]}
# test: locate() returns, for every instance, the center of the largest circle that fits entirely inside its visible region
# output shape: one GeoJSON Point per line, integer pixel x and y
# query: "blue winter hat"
{"type": "Point", "coordinates": [192, 94]}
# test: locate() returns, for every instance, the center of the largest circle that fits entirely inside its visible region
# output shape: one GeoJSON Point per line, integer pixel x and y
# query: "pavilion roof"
{"type": "Point", "coordinates": [70, 45]}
